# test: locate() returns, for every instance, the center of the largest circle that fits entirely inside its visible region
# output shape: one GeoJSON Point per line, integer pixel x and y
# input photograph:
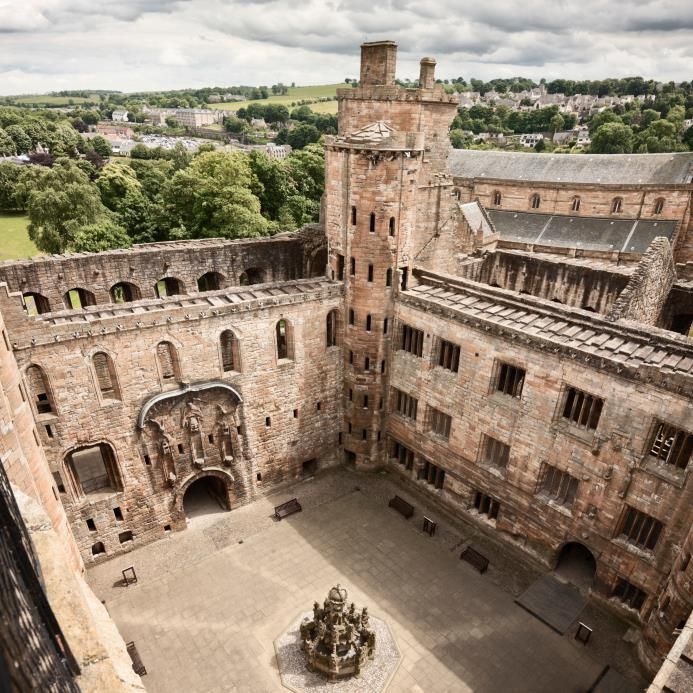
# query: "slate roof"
{"type": "Point", "coordinates": [605, 169]}
{"type": "Point", "coordinates": [476, 217]}
{"type": "Point", "coordinates": [589, 233]}
{"type": "Point", "coordinates": [624, 345]}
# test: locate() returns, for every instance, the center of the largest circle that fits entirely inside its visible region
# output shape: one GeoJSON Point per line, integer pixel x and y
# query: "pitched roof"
{"type": "Point", "coordinates": [588, 233]}
{"type": "Point", "coordinates": [618, 169]}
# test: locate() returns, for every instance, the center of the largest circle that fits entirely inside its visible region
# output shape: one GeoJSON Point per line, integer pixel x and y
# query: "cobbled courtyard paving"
{"type": "Point", "coordinates": [211, 600]}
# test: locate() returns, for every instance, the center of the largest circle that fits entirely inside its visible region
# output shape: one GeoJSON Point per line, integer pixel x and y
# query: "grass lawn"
{"type": "Point", "coordinates": [14, 240]}
{"type": "Point", "coordinates": [295, 94]}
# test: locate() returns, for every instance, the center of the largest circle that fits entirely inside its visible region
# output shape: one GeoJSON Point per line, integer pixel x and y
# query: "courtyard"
{"type": "Point", "coordinates": [211, 600]}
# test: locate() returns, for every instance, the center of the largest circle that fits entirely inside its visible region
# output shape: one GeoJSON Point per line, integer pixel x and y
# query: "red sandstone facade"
{"type": "Point", "coordinates": [544, 396]}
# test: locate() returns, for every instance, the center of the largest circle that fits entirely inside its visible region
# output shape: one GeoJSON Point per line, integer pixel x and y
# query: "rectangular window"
{"type": "Point", "coordinates": [340, 267]}
{"type": "Point", "coordinates": [557, 485]}
{"type": "Point", "coordinates": [671, 445]}
{"type": "Point", "coordinates": [412, 340]}
{"type": "Point", "coordinates": [495, 453]}
{"type": "Point", "coordinates": [582, 409]}
{"type": "Point", "coordinates": [352, 269]}
{"type": "Point", "coordinates": [509, 379]}
{"type": "Point", "coordinates": [439, 422]}
{"type": "Point", "coordinates": [486, 505]}
{"type": "Point", "coordinates": [385, 326]}
{"type": "Point", "coordinates": [403, 455]}
{"type": "Point", "coordinates": [432, 474]}
{"type": "Point", "coordinates": [449, 356]}
{"type": "Point", "coordinates": [640, 529]}
{"type": "Point", "coordinates": [629, 594]}
{"type": "Point", "coordinates": [404, 404]}
{"type": "Point", "coordinates": [370, 273]}
{"type": "Point", "coordinates": [352, 317]}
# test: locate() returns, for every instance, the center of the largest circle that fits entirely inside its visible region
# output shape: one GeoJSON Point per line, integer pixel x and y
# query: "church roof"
{"type": "Point", "coordinates": [605, 169]}
{"type": "Point", "coordinates": [588, 233]}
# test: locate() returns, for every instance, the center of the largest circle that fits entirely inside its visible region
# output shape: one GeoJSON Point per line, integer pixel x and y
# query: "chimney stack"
{"type": "Point", "coordinates": [378, 63]}
{"type": "Point", "coordinates": [427, 75]}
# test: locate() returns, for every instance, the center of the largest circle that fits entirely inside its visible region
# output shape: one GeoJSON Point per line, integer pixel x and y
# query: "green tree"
{"type": "Point", "coordinates": [10, 175]}
{"type": "Point", "coordinates": [7, 145]}
{"type": "Point", "coordinates": [180, 156]}
{"type": "Point", "coordinates": [648, 116]}
{"type": "Point", "coordinates": [688, 137]}
{"type": "Point", "coordinates": [612, 138]}
{"type": "Point", "coordinates": [302, 135]}
{"type": "Point", "coordinates": [103, 234]}
{"type": "Point", "coordinates": [557, 123]}
{"type": "Point", "coordinates": [213, 197]}
{"type": "Point", "coordinates": [601, 119]}
{"type": "Point", "coordinates": [272, 185]}
{"type": "Point", "coordinates": [22, 141]}
{"type": "Point", "coordinates": [63, 203]}
{"type": "Point", "coordinates": [101, 146]}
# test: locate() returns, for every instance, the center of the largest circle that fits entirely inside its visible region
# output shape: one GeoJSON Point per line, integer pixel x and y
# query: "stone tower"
{"type": "Point", "coordinates": [387, 194]}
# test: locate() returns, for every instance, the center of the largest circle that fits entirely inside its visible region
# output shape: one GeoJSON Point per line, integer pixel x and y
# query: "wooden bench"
{"type": "Point", "coordinates": [474, 558]}
{"type": "Point", "coordinates": [137, 665]}
{"type": "Point", "coordinates": [402, 507]}
{"type": "Point", "coordinates": [289, 508]}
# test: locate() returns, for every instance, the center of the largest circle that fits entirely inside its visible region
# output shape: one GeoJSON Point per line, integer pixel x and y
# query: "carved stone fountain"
{"type": "Point", "coordinates": [337, 642]}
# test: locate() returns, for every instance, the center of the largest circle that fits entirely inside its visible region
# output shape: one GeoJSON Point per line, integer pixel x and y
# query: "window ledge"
{"type": "Point", "coordinates": [643, 554]}
{"type": "Point", "coordinates": [556, 506]}
{"type": "Point", "coordinates": [584, 436]}
{"type": "Point", "coordinates": [500, 472]}
{"type": "Point", "coordinates": [285, 362]}
{"type": "Point", "coordinates": [664, 471]}
{"type": "Point", "coordinates": [48, 417]}
{"type": "Point", "coordinates": [506, 400]}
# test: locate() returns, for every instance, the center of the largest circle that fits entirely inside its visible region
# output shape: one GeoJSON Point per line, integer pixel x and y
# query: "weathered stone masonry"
{"type": "Point", "coordinates": [529, 368]}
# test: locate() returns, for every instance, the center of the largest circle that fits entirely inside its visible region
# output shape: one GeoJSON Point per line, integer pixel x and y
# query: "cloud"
{"type": "Point", "coordinates": [150, 44]}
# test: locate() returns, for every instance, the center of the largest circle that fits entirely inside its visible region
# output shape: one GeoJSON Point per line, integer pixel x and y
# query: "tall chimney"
{"type": "Point", "coordinates": [427, 74]}
{"type": "Point", "coordinates": [378, 62]}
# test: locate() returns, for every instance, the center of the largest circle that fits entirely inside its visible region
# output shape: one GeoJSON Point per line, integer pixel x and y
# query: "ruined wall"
{"type": "Point", "coordinates": [571, 284]}
{"type": "Point", "coordinates": [275, 259]}
{"type": "Point", "coordinates": [611, 464]}
{"type": "Point", "coordinates": [290, 408]}
{"type": "Point", "coordinates": [648, 288]}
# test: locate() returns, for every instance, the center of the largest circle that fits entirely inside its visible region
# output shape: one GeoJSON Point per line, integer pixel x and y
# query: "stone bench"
{"type": "Point", "coordinates": [475, 559]}
{"type": "Point", "coordinates": [137, 665]}
{"type": "Point", "coordinates": [402, 507]}
{"type": "Point", "coordinates": [289, 508]}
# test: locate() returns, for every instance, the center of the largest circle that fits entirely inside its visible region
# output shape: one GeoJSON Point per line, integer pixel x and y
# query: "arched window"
{"type": "Point", "coordinates": [392, 226]}
{"type": "Point", "coordinates": [658, 205]}
{"type": "Point", "coordinates": [36, 304]}
{"type": "Point", "coordinates": [253, 275]}
{"type": "Point", "coordinates": [77, 298]}
{"type": "Point", "coordinates": [332, 324]}
{"type": "Point", "coordinates": [124, 292]}
{"type": "Point", "coordinates": [105, 375]}
{"type": "Point", "coordinates": [94, 469]}
{"type": "Point", "coordinates": [575, 204]}
{"type": "Point", "coordinates": [284, 337]}
{"type": "Point", "coordinates": [168, 286]}
{"type": "Point", "coordinates": [497, 198]}
{"type": "Point", "coordinates": [98, 549]}
{"type": "Point", "coordinates": [388, 277]}
{"type": "Point", "coordinates": [353, 216]}
{"type": "Point", "coordinates": [168, 360]}
{"type": "Point", "coordinates": [230, 353]}
{"type": "Point", "coordinates": [535, 201]}
{"type": "Point", "coordinates": [371, 224]}
{"type": "Point", "coordinates": [39, 389]}
{"type": "Point", "coordinates": [211, 281]}
{"type": "Point", "coordinates": [616, 205]}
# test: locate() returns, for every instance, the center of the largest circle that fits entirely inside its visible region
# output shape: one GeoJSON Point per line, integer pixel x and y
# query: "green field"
{"type": "Point", "coordinates": [295, 94]}
{"type": "Point", "coordinates": [39, 100]}
{"type": "Point", "coordinates": [14, 240]}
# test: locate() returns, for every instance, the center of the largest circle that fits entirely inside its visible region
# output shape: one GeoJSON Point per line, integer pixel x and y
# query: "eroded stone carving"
{"type": "Point", "coordinates": [337, 642]}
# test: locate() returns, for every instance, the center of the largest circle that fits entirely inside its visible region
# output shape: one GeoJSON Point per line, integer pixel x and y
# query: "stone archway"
{"type": "Point", "coordinates": [208, 492]}
{"type": "Point", "coordinates": [576, 564]}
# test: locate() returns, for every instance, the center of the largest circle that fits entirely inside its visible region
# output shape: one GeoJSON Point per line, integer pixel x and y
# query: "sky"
{"type": "Point", "coordinates": [130, 45]}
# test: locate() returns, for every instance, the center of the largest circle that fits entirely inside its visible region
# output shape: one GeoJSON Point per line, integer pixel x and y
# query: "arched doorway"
{"type": "Point", "coordinates": [576, 564]}
{"type": "Point", "coordinates": [205, 496]}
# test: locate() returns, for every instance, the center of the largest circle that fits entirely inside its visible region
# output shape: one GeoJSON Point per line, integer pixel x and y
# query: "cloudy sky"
{"type": "Point", "coordinates": [48, 45]}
